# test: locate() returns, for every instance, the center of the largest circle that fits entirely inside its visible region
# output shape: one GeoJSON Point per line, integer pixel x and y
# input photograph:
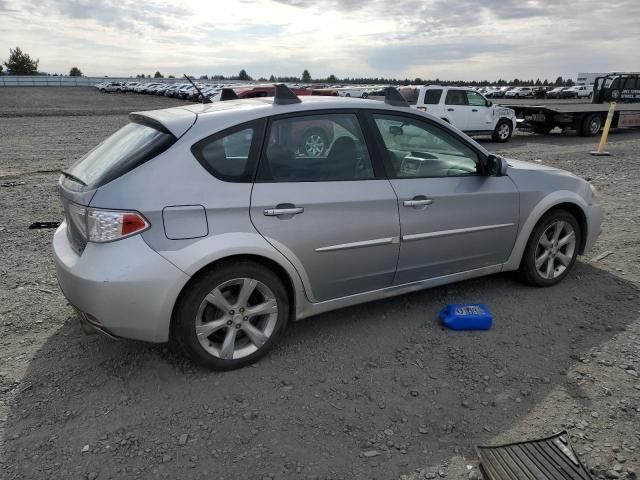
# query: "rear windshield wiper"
{"type": "Point", "coordinates": [73, 177]}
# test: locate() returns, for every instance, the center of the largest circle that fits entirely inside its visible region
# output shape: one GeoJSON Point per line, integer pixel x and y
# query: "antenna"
{"type": "Point", "coordinates": [227, 94]}
{"type": "Point", "coordinates": [392, 97]}
{"type": "Point", "coordinates": [284, 95]}
{"type": "Point", "coordinates": [204, 99]}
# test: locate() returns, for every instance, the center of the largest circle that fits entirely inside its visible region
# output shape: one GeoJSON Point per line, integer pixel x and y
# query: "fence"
{"type": "Point", "coordinates": [63, 81]}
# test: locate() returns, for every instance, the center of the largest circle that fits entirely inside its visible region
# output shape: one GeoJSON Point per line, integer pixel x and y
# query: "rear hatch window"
{"type": "Point", "coordinates": [129, 147]}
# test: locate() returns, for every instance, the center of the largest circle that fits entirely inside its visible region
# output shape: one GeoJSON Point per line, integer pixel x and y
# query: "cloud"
{"type": "Point", "coordinates": [461, 39]}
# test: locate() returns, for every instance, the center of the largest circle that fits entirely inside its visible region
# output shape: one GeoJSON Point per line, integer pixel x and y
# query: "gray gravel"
{"type": "Point", "coordinates": [378, 391]}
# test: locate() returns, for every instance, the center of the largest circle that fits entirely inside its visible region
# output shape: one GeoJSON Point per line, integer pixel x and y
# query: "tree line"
{"type": "Point", "coordinates": [21, 63]}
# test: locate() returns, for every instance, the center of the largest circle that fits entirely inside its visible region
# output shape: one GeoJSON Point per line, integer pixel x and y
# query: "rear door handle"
{"type": "Point", "coordinates": [474, 110]}
{"type": "Point", "coordinates": [421, 202]}
{"type": "Point", "coordinates": [450, 109]}
{"type": "Point", "coordinates": [276, 212]}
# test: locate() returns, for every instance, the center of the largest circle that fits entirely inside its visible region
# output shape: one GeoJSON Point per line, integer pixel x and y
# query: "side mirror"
{"type": "Point", "coordinates": [395, 130]}
{"type": "Point", "coordinates": [495, 166]}
{"type": "Point", "coordinates": [489, 103]}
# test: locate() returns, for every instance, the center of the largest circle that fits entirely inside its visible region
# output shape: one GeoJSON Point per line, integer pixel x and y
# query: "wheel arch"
{"type": "Point", "coordinates": [560, 200]}
{"type": "Point", "coordinates": [266, 262]}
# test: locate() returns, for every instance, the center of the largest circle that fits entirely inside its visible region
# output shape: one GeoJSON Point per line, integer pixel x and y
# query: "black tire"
{"type": "Point", "coordinates": [186, 312]}
{"type": "Point", "coordinates": [103, 90]}
{"type": "Point", "coordinates": [591, 125]}
{"type": "Point", "coordinates": [528, 272]}
{"type": "Point", "coordinates": [365, 95]}
{"type": "Point", "coordinates": [498, 135]}
{"type": "Point", "coordinates": [319, 140]}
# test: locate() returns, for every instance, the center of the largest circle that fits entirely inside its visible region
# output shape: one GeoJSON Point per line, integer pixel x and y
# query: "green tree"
{"type": "Point", "coordinates": [306, 76]}
{"type": "Point", "coordinates": [158, 75]}
{"type": "Point", "coordinates": [75, 72]}
{"type": "Point", "coordinates": [243, 75]}
{"type": "Point", "coordinates": [559, 81]}
{"type": "Point", "coordinates": [21, 63]}
{"type": "Point", "coordinates": [273, 79]}
{"type": "Point", "coordinates": [569, 83]}
{"type": "Point", "coordinates": [0, 69]}
{"type": "Point", "coordinates": [332, 79]}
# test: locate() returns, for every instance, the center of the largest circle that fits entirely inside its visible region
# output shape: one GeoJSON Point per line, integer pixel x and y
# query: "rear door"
{"type": "Point", "coordinates": [452, 218]}
{"type": "Point", "coordinates": [333, 214]}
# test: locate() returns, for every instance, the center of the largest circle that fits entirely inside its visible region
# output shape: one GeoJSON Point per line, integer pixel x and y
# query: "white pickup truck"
{"type": "Point", "coordinates": [464, 108]}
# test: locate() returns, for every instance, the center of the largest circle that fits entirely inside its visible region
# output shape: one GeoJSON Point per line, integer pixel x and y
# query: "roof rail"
{"type": "Point", "coordinates": [392, 97]}
{"type": "Point", "coordinates": [228, 94]}
{"type": "Point", "coordinates": [284, 95]}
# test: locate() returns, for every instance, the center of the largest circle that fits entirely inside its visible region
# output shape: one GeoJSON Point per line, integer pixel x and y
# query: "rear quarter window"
{"type": "Point", "coordinates": [432, 97]}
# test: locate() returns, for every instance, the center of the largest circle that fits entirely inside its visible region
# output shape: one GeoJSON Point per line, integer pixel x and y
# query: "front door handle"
{"type": "Point", "coordinates": [418, 202]}
{"type": "Point", "coordinates": [283, 210]}
{"type": "Point", "coordinates": [474, 110]}
{"type": "Point", "coordinates": [450, 109]}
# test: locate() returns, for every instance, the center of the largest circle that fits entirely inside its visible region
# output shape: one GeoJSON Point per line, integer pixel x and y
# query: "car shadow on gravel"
{"type": "Point", "coordinates": [371, 391]}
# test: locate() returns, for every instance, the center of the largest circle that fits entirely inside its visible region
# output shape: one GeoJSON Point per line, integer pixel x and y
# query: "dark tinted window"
{"type": "Point", "coordinates": [126, 149]}
{"type": "Point", "coordinates": [230, 155]}
{"type": "Point", "coordinates": [313, 148]}
{"type": "Point", "coordinates": [432, 97]}
{"type": "Point", "coordinates": [455, 97]}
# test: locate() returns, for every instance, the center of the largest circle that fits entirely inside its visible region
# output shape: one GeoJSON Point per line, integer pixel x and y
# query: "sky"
{"type": "Point", "coordinates": [445, 39]}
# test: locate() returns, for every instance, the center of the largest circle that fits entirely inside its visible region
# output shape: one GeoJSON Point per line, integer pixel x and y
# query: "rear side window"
{"type": "Point", "coordinates": [432, 97]}
{"type": "Point", "coordinates": [456, 97]}
{"type": "Point", "coordinates": [231, 155]}
{"type": "Point", "coordinates": [129, 147]}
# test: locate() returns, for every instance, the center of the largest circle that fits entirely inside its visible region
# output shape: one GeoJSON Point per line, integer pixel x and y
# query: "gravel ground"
{"type": "Point", "coordinates": [378, 391]}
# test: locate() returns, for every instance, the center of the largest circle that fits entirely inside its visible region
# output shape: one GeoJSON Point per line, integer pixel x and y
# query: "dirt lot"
{"type": "Point", "coordinates": [378, 391]}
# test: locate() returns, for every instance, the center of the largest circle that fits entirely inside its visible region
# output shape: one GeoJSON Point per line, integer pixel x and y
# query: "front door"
{"type": "Point", "coordinates": [456, 109]}
{"type": "Point", "coordinates": [327, 210]}
{"type": "Point", "coordinates": [452, 218]}
{"type": "Point", "coordinates": [480, 113]}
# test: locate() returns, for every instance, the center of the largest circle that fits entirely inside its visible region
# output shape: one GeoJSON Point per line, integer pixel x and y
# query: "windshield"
{"type": "Point", "coordinates": [126, 149]}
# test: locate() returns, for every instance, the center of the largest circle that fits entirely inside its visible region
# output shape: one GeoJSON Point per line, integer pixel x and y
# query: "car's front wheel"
{"type": "Point", "coordinates": [232, 315]}
{"type": "Point", "coordinates": [551, 250]}
{"type": "Point", "coordinates": [502, 132]}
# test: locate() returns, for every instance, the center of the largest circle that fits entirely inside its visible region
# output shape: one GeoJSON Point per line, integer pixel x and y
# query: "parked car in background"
{"type": "Point", "coordinates": [557, 92]}
{"type": "Point", "coordinates": [579, 91]}
{"type": "Point", "coordinates": [109, 87]}
{"type": "Point", "coordinates": [518, 92]}
{"type": "Point", "coordinates": [252, 238]}
{"type": "Point", "coordinates": [463, 108]}
{"type": "Point", "coordinates": [498, 92]}
{"type": "Point", "coordinates": [541, 91]}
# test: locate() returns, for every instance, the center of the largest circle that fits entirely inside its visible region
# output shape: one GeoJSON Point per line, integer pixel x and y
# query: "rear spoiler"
{"type": "Point", "coordinates": [175, 121]}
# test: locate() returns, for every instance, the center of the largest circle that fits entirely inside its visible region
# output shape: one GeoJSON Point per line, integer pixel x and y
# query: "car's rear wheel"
{"type": "Point", "coordinates": [232, 315]}
{"type": "Point", "coordinates": [551, 250]}
{"type": "Point", "coordinates": [502, 132]}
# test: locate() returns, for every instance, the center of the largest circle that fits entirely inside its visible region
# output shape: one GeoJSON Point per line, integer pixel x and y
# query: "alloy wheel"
{"type": "Point", "coordinates": [314, 145]}
{"type": "Point", "coordinates": [555, 250]}
{"type": "Point", "coordinates": [503, 131]}
{"type": "Point", "coordinates": [236, 318]}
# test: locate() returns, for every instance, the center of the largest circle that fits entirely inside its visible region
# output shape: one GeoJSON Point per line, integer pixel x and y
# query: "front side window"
{"type": "Point", "coordinates": [475, 99]}
{"type": "Point", "coordinates": [456, 97]}
{"type": "Point", "coordinates": [229, 156]}
{"type": "Point", "coordinates": [311, 148]}
{"type": "Point", "coordinates": [419, 149]}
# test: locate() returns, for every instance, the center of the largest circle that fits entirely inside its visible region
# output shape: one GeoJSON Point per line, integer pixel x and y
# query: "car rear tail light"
{"type": "Point", "coordinates": [98, 225]}
{"type": "Point", "coordinates": [423, 109]}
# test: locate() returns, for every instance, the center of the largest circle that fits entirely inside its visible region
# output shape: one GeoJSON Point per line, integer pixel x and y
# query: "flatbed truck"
{"type": "Point", "coordinates": [587, 119]}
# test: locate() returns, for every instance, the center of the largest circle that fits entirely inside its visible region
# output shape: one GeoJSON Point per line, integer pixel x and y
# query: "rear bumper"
{"type": "Point", "coordinates": [124, 288]}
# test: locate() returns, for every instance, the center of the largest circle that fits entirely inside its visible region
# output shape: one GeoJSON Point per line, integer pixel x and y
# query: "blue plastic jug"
{"type": "Point", "coordinates": [471, 316]}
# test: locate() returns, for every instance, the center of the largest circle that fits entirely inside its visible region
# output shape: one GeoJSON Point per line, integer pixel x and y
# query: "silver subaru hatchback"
{"type": "Point", "coordinates": [214, 225]}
